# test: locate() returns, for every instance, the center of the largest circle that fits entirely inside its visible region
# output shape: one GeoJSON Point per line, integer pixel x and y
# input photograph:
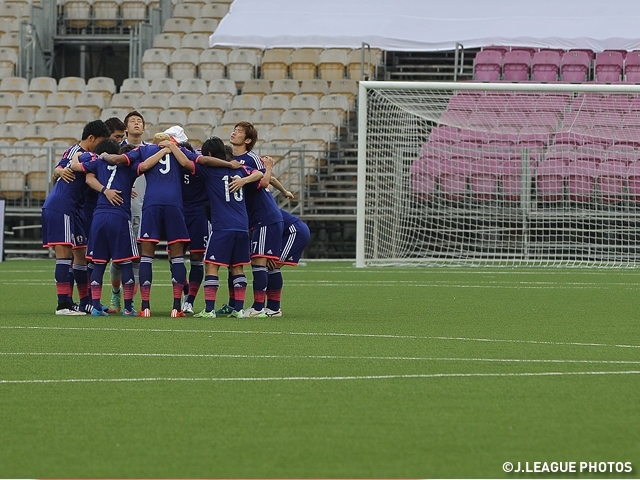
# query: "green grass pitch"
{"type": "Point", "coordinates": [379, 372]}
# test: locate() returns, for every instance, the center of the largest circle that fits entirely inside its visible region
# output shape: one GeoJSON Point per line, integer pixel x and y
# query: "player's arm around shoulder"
{"type": "Point", "coordinates": [150, 162]}
{"type": "Point", "coordinates": [238, 182]}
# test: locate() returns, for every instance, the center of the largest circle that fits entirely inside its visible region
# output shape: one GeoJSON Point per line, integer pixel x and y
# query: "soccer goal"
{"type": "Point", "coordinates": [498, 174]}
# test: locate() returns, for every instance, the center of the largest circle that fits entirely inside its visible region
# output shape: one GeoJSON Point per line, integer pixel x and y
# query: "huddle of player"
{"type": "Point", "coordinates": [87, 219]}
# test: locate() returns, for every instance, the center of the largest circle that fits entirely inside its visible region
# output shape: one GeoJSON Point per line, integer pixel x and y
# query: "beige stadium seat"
{"type": "Point", "coordinates": [32, 100]}
{"type": "Point", "coordinates": [170, 117]}
{"type": "Point", "coordinates": [77, 13]}
{"type": "Point", "coordinates": [10, 40]}
{"type": "Point", "coordinates": [79, 116]}
{"type": "Point", "coordinates": [275, 102]}
{"type": "Point", "coordinates": [105, 13]}
{"type": "Point", "coordinates": [275, 63]}
{"type": "Point", "coordinates": [133, 12]}
{"type": "Point", "coordinates": [189, 11]}
{"type": "Point", "coordinates": [265, 118]}
{"type": "Point", "coordinates": [5, 25]}
{"type": "Point", "coordinates": [223, 86]}
{"type": "Point", "coordinates": [92, 101]}
{"type": "Point", "coordinates": [105, 86]}
{"type": "Point", "coordinates": [242, 64]}
{"type": "Point", "coordinates": [285, 135]}
{"type": "Point", "coordinates": [347, 88]}
{"type": "Point", "coordinates": [363, 70]}
{"type": "Point", "coordinates": [287, 87]}
{"type": "Point", "coordinates": [48, 117]}
{"type": "Point", "coordinates": [304, 62]}
{"type": "Point", "coordinates": [223, 132]}
{"type": "Point", "coordinates": [202, 118]}
{"type": "Point", "coordinates": [317, 135]}
{"type": "Point", "coordinates": [318, 87]}
{"type": "Point", "coordinates": [177, 26]}
{"type": "Point", "coordinates": [150, 131]}
{"type": "Point", "coordinates": [214, 10]}
{"type": "Point", "coordinates": [184, 102]}
{"type": "Point", "coordinates": [11, 133]}
{"type": "Point", "coordinates": [15, 85]}
{"type": "Point", "coordinates": [74, 85]}
{"type": "Point", "coordinates": [69, 134]}
{"type": "Point", "coordinates": [155, 63]}
{"type": "Point", "coordinates": [12, 184]}
{"type": "Point", "coordinates": [114, 112]}
{"type": "Point", "coordinates": [215, 102]}
{"type": "Point", "coordinates": [11, 11]}
{"type": "Point", "coordinates": [195, 87]}
{"type": "Point", "coordinates": [37, 184]}
{"type": "Point", "coordinates": [195, 41]}
{"type": "Point", "coordinates": [326, 118]}
{"type": "Point", "coordinates": [333, 64]}
{"type": "Point", "coordinates": [184, 63]}
{"type": "Point", "coordinates": [295, 118]}
{"type": "Point", "coordinates": [197, 134]}
{"type": "Point", "coordinates": [57, 146]}
{"type": "Point", "coordinates": [246, 103]}
{"type": "Point", "coordinates": [213, 64]}
{"type": "Point", "coordinates": [45, 85]}
{"type": "Point", "coordinates": [339, 103]}
{"type": "Point", "coordinates": [7, 102]}
{"type": "Point", "coordinates": [20, 117]}
{"type": "Point", "coordinates": [8, 61]}
{"type": "Point", "coordinates": [150, 117]}
{"type": "Point", "coordinates": [39, 133]}
{"type": "Point", "coordinates": [167, 41]}
{"type": "Point", "coordinates": [135, 86]}
{"type": "Point", "coordinates": [166, 87]}
{"type": "Point", "coordinates": [204, 25]}
{"type": "Point", "coordinates": [154, 102]}
{"type": "Point", "coordinates": [257, 86]}
{"type": "Point", "coordinates": [275, 150]}
{"type": "Point", "coordinates": [232, 117]}
{"type": "Point", "coordinates": [62, 101]}
{"type": "Point", "coordinates": [199, 3]}
{"type": "Point", "coordinates": [305, 102]}
{"type": "Point", "coordinates": [127, 101]}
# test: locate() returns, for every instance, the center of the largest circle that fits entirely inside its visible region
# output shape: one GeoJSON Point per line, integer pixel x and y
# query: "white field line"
{"type": "Point", "coordinates": [315, 334]}
{"type": "Point", "coordinates": [316, 357]}
{"type": "Point", "coordinates": [300, 378]}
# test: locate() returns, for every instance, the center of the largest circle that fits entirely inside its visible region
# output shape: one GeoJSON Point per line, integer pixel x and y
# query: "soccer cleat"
{"type": "Point", "coordinates": [99, 313]}
{"type": "Point", "coordinates": [187, 307]}
{"type": "Point", "coordinates": [177, 313]}
{"type": "Point", "coordinates": [144, 313]}
{"type": "Point", "coordinates": [68, 311]}
{"type": "Point", "coordinates": [252, 312]}
{"type": "Point", "coordinates": [129, 313]}
{"type": "Point", "coordinates": [273, 313]}
{"type": "Point", "coordinates": [238, 314]}
{"type": "Point", "coordinates": [224, 310]}
{"type": "Point", "coordinates": [116, 302]}
{"type": "Point", "coordinates": [205, 314]}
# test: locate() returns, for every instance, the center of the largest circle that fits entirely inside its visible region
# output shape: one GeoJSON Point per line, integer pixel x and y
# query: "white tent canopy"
{"type": "Point", "coordinates": [429, 25]}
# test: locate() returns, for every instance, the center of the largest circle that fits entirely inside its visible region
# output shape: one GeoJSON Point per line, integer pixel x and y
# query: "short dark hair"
{"type": "Point", "coordinates": [214, 147]}
{"type": "Point", "coordinates": [108, 145]}
{"type": "Point", "coordinates": [250, 132]}
{"type": "Point", "coordinates": [127, 147]}
{"type": "Point", "coordinates": [134, 113]}
{"type": "Point", "coordinates": [229, 151]}
{"type": "Point", "coordinates": [114, 124]}
{"type": "Point", "coordinates": [97, 128]}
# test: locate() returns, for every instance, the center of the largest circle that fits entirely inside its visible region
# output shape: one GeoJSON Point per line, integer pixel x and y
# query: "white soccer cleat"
{"type": "Point", "coordinates": [69, 311]}
{"type": "Point", "coordinates": [273, 313]}
{"type": "Point", "coordinates": [253, 313]}
{"type": "Point", "coordinates": [187, 307]}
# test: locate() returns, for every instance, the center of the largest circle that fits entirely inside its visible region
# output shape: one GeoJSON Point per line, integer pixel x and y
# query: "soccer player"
{"type": "Point", "coordinates": [117, 128]}
{"type": "Point", "coordinates": [111, 236]}
{"type": "Point", "coordinates": [63, 226]}
{"type": "Point", "coordinates": [265, 219]}
{"type": "Point", "coordinates": [228, 244]}
{"type": "Point", "coordinates": [294, 240]}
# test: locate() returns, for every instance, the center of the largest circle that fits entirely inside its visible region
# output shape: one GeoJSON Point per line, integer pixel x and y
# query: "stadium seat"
{"type": "Point", "coordinates": [155, 102]}
{"type": "Point", "coordinates": [453, 178]}
{"type": "Point", "coordinates": [232, 117]}
{"type": "Point", "coordinates": [611, 180]}
{"type": "Point", "coordinates": [295, 118]}
{"type": "Point", "coordinates": [44, 85]}
{"type": "Point", "coordinates": [304, 62]}
{"type": "Point", "coordinates": [204, 25]}
{"type": "Point", "coordinates": [12, 184]}
{"type": "Point", "coordinates": [285, 135]}
{"type": "Point", "coordinates": [8, 61]}
{"type": "Point", "coordinates": [633, 182]}
{"type": "Point", "coordinates": [287, 87]}
{"type": "Point", "coordinates": [360, 68]}
{"type": "Point", "coordinates": [114, 112]}
{"type": "Point", "coordinates": [423, 174]}
{"type": "Point", "coordinates": [105, 13]}
{"type": "Point", "coordinates": [184, 102]}
{"type": "Point", "coordinates": [77, 13]}
{"type": "Point", "coordinates": [20, 117]}
{"type": "Point", "coordinates": [308, 103]}
{"type": "Point", "coordinates": [203, 118]}
{"type": "Point", "coordinates": [150, 118]}
{"type": "Point", "coordinates": [11, 133]}
{"type": "Point", "coordinates": [48, 117]}
{"type": "Point", "coordinates": [73, 85]}
{"type": "Point", "coordinates": [31, 100]}
{"type": "Point", "coordinates": [246, 103]}
{"type": "Point", "coordinates": [69, 134]}
{"type": "Point", "coordinates": [483, 178]}
{"type": "Point", "coordinates": [105, 86]}
{"type": "Point", "coordinates": [223, 131]}
{"type": "Point", "coordinates": [257, 86]}
{"type": "Point", "coordinates": [93, 101]}
{"type": "Point", "coordinates": [195, 87]}
{"type": "Point", "coordinates": [135, 86]}
{"type": "Point", "coordinates": [184, 63]}
{"type": "Point", "coordinates": [276, 102]}
{"type": "Point", "coordinates": [275, 63]}
{"type": "Point", "coordinates": [79, 116]}
{"type": "Point", "coordinates": [15, 85]}
{"type": "Point", "coordinates": [214, 10]}
{"type": "Point", "coordinates": [213, 64]}
{"type": "Point", "coordinates": [632, 67]}
{"type": "Point", "coordinates": [346, 88]}
{"type": "Point", "coordinates": [128, 101]}
{"type": "Point", "coordinates": [177, 26]}
{"type": "Point", "coordinates": [197, 135]}
{"type": "Point", "coordinates": [189, 11]}
{"type": "Point", "coordinates": [581, 176]}
{"type": "Point", "coordinates": [195, 41]}
{"type": "Point", "coordinates": [216, 103]}
{"type": "Point", "coordinates": [242, 64]}
{"type": "Point", "coordinates": [165, 87]}
{"type": "Point", "coordinates": [12, 11]}
{"type": "Point", "coordinates": [167, 41]}
{"type": "Point", "coordinates": [317, 87]}
{"type": "Point", "coordinates": [516, 65]}
{"type": "Point", "coordinates": [133, 12]}
{"type": "Point", "coordinates": [511, 179]}
{"type": "Point", "coordinates": [487, 65]}
{"type": "Point", "coordinates": [575, 66]}
{"type": "Point", "coordinates": [169, 117]}
{"type": "Point", "coordinates": [339, 103]}
{"type": "Point", "coordinates": [550, 177]}
{"type": "Point", "coordinates": [265, 119]}
{"type": "Point", "coordinates": [325, 118]}
{"type": "Point", "coordinates": [609, 66]}
{"type": "Point", "coordinates": [332, 64]}
{"type": "Point", "coordinates": [155, 63]}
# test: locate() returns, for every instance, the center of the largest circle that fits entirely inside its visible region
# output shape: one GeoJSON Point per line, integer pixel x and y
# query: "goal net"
{"type": "Point", "coordinates": [500, 174]}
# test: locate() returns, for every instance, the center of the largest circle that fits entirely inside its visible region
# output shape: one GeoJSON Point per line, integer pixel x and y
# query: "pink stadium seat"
{"type": "Point", "coordinates": [466, 103]}
{"type": "Point", "coordinates": [609, 66]}
{"type": "Point", "coordinates": [633, 181]}
{"type": "Point", "coordinates": [628, 136]}
{"type": "Point", "coordinates": [593, 153]}
{"type": "Point", "coordinates": [483, 119]}
{"type": "Point", "coordinates": [454, 117]}
{"type": "Point", "coordinates": [612, 177]}
{"type": "Point", "coordinates": [516, 65]}
{"type": "Point", "coordinates": [545, 66]}
{"type": "Point", "coordinates": [487, 65]}
{"type": "Point", "coordinates": [483, 178]}
{"type": "Point", "coordinates": [581, 177]}
{"type": "Point", "coordinates": [453, 178]}
{"type": "Point", "coordinates": [632, 67]}
{"type": "Point", "coordinates": [623, 153]}
{"type": "Point", "coordinates": [473, 136]}
{"type": "Point", "coordinates": [550, 177]}
{"type": "Point", "coordinates": [553, 103]}
{"type": "Point", "coordinates": [534, 139]}
{"type": "Point", "coordinates": [424, 172]}
{"type": "Point", "coordinates": [492, 103]}
{"type": "Point", "coordinates": [522, 103]}
{"type": "Point", "coordinates": [445, 133]}
{"type": "Point", "coordinates": [436, 149]}
{"type": "Point", "coordinates": [511, 179]}
{"type": "Point", "coordinates": [568, 137]}
{"type": "Point", "coordinates": [502, 139]}
{"type": "Point", "coordinates": [575, 66]}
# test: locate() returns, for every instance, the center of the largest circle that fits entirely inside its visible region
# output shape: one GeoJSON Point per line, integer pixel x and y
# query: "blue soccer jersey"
{"type": "Point", "coordinates": [228, 210]}
{"type": "Point", "coordinates": [67, 197]}
{"type": "Point", "coordinates": [114, 177]}
{"type": "Point", "coordinates": [194, 194]}
{"type": "Point", "coordinates": [164, 180]}
{"type": "Point", "coordinates": [261, 206]}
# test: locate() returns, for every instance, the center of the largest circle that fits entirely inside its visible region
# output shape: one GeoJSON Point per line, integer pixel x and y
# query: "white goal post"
{"type": "Point", "coordinates": [498, 174]}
